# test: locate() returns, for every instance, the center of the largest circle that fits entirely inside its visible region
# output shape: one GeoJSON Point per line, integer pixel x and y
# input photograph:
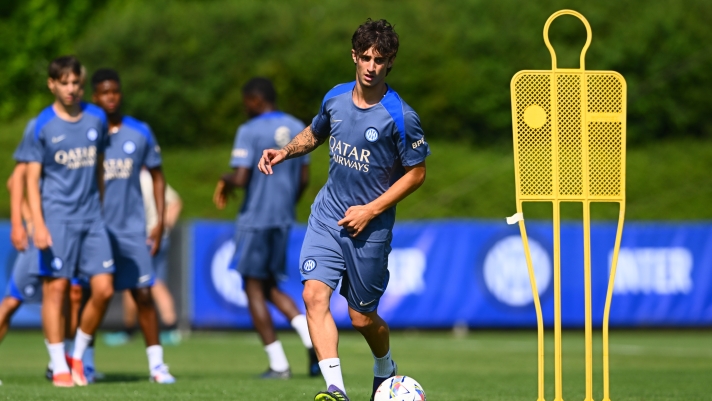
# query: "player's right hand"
{"type": "Point", "coordinates": [18, 236]}
{"type": "Point", "coordinates": [270, 157]}
{"type": "Point", "coordinates": [42, 238]}
{"type": "Point", "coordinates": [219, 196]}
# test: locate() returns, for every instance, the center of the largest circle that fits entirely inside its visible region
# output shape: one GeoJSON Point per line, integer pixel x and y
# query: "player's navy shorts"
{"type": "Point", "coordinates": [132, 256]}
{"type": "Point", "coordinates": [24, 284]}
{"type": "Point", "coordinates": [79, 249]}
{"type": "Point", "coordinates": [261, 253]}
{"type": "Point", "coordinates": [160, 261]}
{"type": "Point", "coordinates": [329, 255]}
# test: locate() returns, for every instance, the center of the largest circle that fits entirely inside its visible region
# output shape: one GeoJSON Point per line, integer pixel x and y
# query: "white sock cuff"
{"type": "Point", "coordinates": [297, 320]}
{"type": "Point", "coordinates": [387, 356]}
{"type": "Point", "coordinates": [274, 345]}
{"type": "Point", "coordinates": [155, 357]}
{"type": "Point", "coordinates": [81, 342]}
{"type": "Point", "coordinates": [56, 354]}
{"type": "Point", "coordinates": [383, 367]}
{"type": "Point", "coordinates": [331, 370]}
{"type": "Point", "coordinates": [277, 358]}
{"type": "Point", "coordinates": [55, 346]}
{"type": "Point", "coordinates": [83, 335]}
{"type": "Point", "coordinates": [330, 362]}
{"type": "Point", "coordinates": [302, 328]}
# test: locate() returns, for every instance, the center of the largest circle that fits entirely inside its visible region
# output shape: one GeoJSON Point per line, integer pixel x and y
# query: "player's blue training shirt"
{"type": "Point", "coordinates": [132, 147]}
{"type": "Point", "coordinates": [368, 149]}
{"type": "Point", "coordinates": [68, 153]}
{"type": "Point", "coordinates": [269, 200]}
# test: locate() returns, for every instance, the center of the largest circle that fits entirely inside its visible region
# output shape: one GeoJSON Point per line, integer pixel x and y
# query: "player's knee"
{"type": "Point", "coordinates": [10, 304]}
{"type": "Point", "coordinates": [55, 290]}
{"type": "Point", "coordinates": [102, 292]}
{"type": "Point", "coordinates": [360, 321]}
{"type": "Point", "coordinates": [254, 289]}
{"type": "Point", "coordinates": [314, 298]}
{"type": "Point", "coordinates": [143, 297]}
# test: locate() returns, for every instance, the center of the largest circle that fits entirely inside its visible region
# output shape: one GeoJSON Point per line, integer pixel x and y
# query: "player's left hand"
{"type": "Point", "coordinates": [356, 219]}
{"type": "Point", "coordinates": [154, 239]}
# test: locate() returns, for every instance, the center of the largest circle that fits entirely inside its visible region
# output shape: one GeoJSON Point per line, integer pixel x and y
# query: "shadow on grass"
{"type": "Point", "coordinates": [122, 378]}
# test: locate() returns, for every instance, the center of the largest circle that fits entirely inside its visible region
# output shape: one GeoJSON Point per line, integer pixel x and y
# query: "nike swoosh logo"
{"type": "Point", "coordinates": [367, 303]}
{"type": "Point", "coordinates": [333, 366]}
{"type": "Point", "coordinates": [57, 139]}
{"type": "Point", "coordinates": [336, 121]}
{"type": "Point", "coordinates": [108, 263]}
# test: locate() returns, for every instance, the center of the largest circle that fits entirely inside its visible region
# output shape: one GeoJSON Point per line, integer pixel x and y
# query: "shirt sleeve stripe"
{"type": "Point", "coordinates": [339, 90]}
{"type": "Point", "coordinates": [45, 116]}
{"type": "Point", "coordinates": [394, 106]}
{"type": "Point", "coordinates": [139, 126]}
{"type": "Point", "coordinates": [95, 111]}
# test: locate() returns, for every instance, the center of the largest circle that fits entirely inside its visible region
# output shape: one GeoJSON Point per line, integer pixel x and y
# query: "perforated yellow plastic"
{"type": "Point", "coordinates": [569, 146]}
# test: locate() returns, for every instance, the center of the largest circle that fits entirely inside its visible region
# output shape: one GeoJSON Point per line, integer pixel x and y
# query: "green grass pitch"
{"type": "Point", "coordinates": [483, 365]}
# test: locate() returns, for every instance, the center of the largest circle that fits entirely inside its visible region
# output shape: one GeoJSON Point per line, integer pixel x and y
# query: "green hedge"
{"type": "Point", "coordinates": [183, 62]}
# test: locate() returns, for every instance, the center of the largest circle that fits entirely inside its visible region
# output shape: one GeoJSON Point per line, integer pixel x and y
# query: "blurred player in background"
{"type": "Point", "coordinates": [25, 285]}
{"type": "Point", "coordinates": [161, 294]}
{"type": "Point", "coordinates": [377, 152]}
{"type": "Point", "coordinates": [131, 147]}
{"type": "Point", "coordinates": [66, 150]}
{"type": "Point", "coordinates": [264, 220]}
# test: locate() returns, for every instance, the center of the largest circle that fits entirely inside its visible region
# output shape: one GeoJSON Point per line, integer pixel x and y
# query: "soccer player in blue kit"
{"type": "Point", "coordinates": [23, 285]}
{"type": "Point", "coordinates": [131, 146]}
{"type": "Point", "coordinates": [377, 158]}
{"type": "Point", "coordinates": [262, 229]}
{"type": "Point", "coordinates": [66, 150]}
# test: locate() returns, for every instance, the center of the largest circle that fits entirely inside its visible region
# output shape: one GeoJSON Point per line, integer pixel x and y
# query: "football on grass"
{"type": "Point", "coordinates": [400, 388]}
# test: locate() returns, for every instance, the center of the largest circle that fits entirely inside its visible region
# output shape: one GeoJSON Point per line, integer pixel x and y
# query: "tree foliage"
{"type": "Point", "coordinates": [34, 32]}
{"type": "Point", "coordinates": [183, 62]}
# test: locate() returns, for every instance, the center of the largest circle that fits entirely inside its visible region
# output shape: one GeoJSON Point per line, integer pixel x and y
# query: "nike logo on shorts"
{"type": "Point", "coordinates": [58, 139]}
{"type": "Point", "coordinates": [145, 278]}
{"type": "Point", "coordinates": [108, 263]}
{"type": "Point", "coordinates": [367, 303]}
{"type": "Point", "coordinates": [336, 121]}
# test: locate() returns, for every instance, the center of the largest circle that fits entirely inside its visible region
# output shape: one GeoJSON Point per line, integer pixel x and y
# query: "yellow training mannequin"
{"type": "Point", "coordinates": [569, 129]}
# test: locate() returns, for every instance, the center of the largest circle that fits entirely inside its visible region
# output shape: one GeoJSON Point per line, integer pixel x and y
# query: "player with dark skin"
{"type": "Point", "coordinates": [108, 96]}
{"type": "Point", "coordinates": [259, 291]}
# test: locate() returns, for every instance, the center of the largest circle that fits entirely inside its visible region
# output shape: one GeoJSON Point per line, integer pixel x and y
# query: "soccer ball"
{"type": "Point", "coordinates": [400, 388]}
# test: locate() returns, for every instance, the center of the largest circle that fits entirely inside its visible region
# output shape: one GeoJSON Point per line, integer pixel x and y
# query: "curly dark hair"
{"type": "Point", "coordinates": [104, 74]}
{"type": "Point", "coordinates": [379, 34]}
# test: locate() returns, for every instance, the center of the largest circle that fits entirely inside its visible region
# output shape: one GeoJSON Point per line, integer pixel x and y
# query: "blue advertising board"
{"type": "Point", "coordinates": [444, 273]}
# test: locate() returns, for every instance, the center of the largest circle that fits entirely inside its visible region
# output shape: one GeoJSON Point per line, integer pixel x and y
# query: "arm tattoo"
{"type": "Point", "coordinates": [303, 143]}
